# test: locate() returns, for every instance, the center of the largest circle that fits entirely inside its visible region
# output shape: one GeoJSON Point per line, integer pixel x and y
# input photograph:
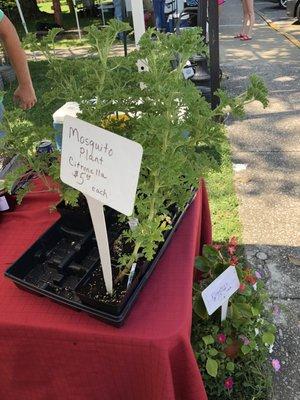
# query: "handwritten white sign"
{"type": "Point", "coordinates": [105, 167]}
{"type": "Point", "coordinates": [220, 290]}
{"type": "Point", "coordinates": [100, 164]}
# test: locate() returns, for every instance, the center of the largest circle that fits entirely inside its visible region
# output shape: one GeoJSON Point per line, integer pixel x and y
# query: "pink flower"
{"type": "Point", "coordinates": [234, 260]}
{"type": "Point", "coordinates": [228, 383]}
{"type": "Point", "coordinates": [276, 310]}
{"type": "Point", "coordinates": [221, 338]}
{"type": "Point", "coordinates": [231, 250]}
{"type": "Point", "coordinates": [258, 275]}
{"type": "Point", "coordinates": [251, 279]}
{"type": "Point", "coordinates": [276, 364]}
{"type": "Point", "coordinates": [233, 241]}
{"type": "Point", "coordinates": [245, 340]}
{"type": "Point", "coordinates": [242, 287]}
{"type": "Point", "coordinates": [217, 247]}
{"type": "Point", "coordinates": [232, 246]}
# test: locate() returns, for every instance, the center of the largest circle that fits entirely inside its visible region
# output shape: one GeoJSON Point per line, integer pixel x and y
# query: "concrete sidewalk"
{"type": "Point", "coordinates": [268, 143]}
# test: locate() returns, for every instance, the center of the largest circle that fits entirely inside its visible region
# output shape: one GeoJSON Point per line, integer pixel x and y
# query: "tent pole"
{"type": "Point", "coordinates": [77, 20]}
{"type": "Point", "coordinates": [102, 13]}
{"type": "Point", "coordinates": [213, 17]}
{"type": "Point", "coordinates": [22, 16]}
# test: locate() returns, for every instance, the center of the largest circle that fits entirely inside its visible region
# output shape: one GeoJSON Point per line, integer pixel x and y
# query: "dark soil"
{"type": "Point", "coordinates": [93, 291]}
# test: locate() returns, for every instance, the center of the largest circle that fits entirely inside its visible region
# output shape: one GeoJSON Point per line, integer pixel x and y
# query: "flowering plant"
{"type": "Point", "coordinates": [234, 355]}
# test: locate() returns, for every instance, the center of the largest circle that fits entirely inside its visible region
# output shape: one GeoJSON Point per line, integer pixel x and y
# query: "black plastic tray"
{"type": "Point", "coordinates": [59, 280]}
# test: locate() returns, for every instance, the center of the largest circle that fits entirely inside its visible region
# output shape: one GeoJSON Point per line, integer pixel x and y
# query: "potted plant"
{"type": "Point", "coordinates": [234, 354]}
{"type": "Point", "coordinates": [159, 109]}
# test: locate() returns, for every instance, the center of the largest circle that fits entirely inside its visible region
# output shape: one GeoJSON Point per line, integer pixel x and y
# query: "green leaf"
{"type": "Point", "coordinates": [199, 307]}
{"type": "Point", "coordinates": [229, 341]}
{"type": "Point", "coordinates": [272, 328]}
{"type": "Point", "coordinates": [268, 338]}
{"type": "Point", "coordinates": [230, 366]}
{"type": "Point", "coordinates": [255, 311]}
{"type": "Point", "coordinates": [210, 252]}
{"type": "Point", "coordinates": [213, 352]}
{"type": "Point", "coordinates": [245, 349]}
{"type": "Point", "coordinates": [248, 291]}
{"type": "Point", "coordinates": [208, 339]}
{"type": "Point", "coordinates": [21, 193]}
{"type": "Point", "coordinates": [202, 264]}
{"type": "Point", "coordinates": [212, 367]}
{"type": "Point", "coordinates": [244, 309]}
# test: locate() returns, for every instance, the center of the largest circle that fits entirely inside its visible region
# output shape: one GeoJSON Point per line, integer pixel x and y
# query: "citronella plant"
{"type": "Point", "coordinates": [178, 131]}
{"type": "Point", "coordinates": [159, 109]}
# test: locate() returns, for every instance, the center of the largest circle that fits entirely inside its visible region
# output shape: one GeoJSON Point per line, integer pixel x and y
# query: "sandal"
{"type": "Point", "coordinates": [238, 36]}
{"type": "Point", "coordinates": [246, 37]}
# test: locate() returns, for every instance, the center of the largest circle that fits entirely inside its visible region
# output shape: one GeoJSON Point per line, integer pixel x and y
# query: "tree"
{"type": "Point", "coordinates": [30, 8]}
{"type": "Point", "coordinates": [57, 12]}
{"type": "Point", "coordinates": [71, 6]}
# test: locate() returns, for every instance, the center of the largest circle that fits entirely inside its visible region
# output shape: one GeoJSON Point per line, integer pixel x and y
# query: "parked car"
{"type": "Point", "coordinates": [293, 9]}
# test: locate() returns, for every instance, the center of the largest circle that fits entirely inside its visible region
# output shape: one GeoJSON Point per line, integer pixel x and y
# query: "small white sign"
{"type": "Point", "coordinates": [188, 72]}
{"type": "Point", "coordinates": [100, 164]}
{"type": "Point", "coordinates": [3, 204]}
{"type": "Point", "coordinates": [220, 290]}
{"type": "Point", "coordinates": [142, 65]}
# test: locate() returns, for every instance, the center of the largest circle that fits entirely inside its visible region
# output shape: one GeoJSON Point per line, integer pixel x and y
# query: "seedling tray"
{"type": "Point", "coordinates": [61, 261]}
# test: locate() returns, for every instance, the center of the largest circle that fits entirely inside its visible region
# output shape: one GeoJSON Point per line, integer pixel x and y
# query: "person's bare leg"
{"type": "Point", "coordinates": [251, 16]}
{"type": "Point", "coordinates": [243, 29]}
{"type": "Point", "coordinates": [245, 17]}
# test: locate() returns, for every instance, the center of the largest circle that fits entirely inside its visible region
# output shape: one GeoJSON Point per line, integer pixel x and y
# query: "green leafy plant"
{"type": "Point", "coordinates": [180, 134]}
{"type": "Point", "coordinates": [233, 354]}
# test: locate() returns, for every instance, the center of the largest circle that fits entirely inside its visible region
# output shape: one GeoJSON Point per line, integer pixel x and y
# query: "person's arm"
{"type": "Point", "coordinates": [25, 94]}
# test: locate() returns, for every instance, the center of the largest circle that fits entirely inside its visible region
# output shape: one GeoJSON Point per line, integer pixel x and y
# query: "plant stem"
{"type": "Point", "coordinates": [126, 269]}
{"type": "Point", "coordinates": [152, 203]}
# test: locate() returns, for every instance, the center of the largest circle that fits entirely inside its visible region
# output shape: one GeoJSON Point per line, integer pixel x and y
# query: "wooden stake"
{"type": "Point", "coordinates": [98, 219]}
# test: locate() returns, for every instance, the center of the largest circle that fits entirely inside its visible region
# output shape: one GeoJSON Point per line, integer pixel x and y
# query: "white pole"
{"type": "Point", "coordinates": [180, 6]}
{"type": "Point", "coordinates": [102, 13]}
{"type": "Point", "coordinates": [22, 17]}
{"type": "Point", "coordinates": [77, 20]}
{"type": "Point", "coordinates": [138, 19]}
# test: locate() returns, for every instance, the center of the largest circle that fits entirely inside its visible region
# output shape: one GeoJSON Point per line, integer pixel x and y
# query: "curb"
{"type": "Point", "coordinates": [277, 28]}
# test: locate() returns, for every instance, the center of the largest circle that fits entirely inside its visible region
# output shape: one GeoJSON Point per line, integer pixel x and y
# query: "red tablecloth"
{"type": "Point", "coordinates": [51, 352]}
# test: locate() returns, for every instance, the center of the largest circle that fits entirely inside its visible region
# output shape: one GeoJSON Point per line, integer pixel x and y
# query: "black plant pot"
{"type": "Point", "coordinates": [64, 265]}
{"type": "Point", "coordinates": [75, 218]}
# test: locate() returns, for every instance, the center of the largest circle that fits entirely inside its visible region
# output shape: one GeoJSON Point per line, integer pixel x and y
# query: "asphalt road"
{"type": "Point", "coordinates": [275, 15]}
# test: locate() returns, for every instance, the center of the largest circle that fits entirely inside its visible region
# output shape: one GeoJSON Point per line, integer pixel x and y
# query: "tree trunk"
{"type": "Point", "coordinates": [71, 6]}
{"type": "Point", "coordinates": [57, 12]}
{"type": "Point", "coordinates": [30, 8]}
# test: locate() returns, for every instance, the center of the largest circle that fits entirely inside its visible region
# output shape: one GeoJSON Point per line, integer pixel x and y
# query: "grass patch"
{"type": "Point", "coordinates": [69, 22]}
{"type": "Point", "coordinates": [223, 200]}
{"type": "Point", "coordinates": [46, 6]}
{"type": "Point", "coordinates": [66, 43]}
{"type": "Point", "coordinates": [40, 115]}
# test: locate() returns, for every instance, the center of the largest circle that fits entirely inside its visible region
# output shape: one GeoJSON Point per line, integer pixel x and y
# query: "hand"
{"type": "Point", "coordinates": [25, 96]}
